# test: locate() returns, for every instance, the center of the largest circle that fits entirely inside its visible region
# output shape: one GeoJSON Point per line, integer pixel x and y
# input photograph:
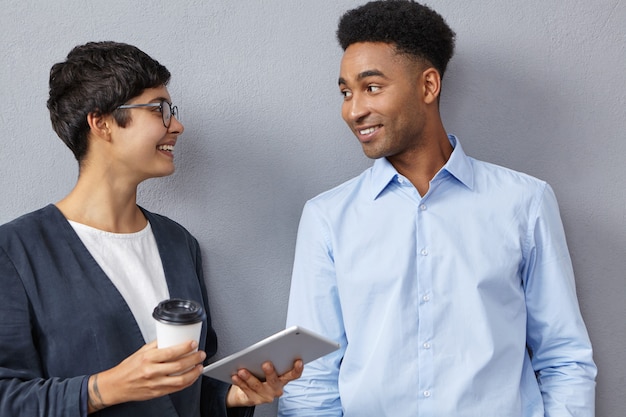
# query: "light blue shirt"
{"type": "Point", "coordinates": [435, 299]}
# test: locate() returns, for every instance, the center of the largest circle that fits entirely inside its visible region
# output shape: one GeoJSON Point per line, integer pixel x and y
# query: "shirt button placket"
{"type": "Point", "coordinates": [425, 330]}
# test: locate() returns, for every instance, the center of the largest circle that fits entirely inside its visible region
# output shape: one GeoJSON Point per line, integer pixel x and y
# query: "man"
{"type": "Point", "coordinates": [446, 280]}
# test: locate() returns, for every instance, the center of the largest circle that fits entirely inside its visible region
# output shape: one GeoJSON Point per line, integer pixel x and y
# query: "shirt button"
{"type": "Point", "coordinates": [426, 345]}
{"type": "Point", "coordinates": [422, 207]}
{"type": "Point", "coordinates": [426, 394]}
{"type": "Point", "coordinates": [424, 252]}
{"type": "Point", "coordinates": [426, 298]}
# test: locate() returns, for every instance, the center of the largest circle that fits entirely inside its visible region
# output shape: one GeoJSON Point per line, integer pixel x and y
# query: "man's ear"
{"type": "Point", "coordinates": [432, 85]}
{"type": "Point", "coordinates": [99, 124]}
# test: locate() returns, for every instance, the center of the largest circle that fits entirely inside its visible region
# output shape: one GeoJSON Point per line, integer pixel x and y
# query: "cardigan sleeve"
{"type": "Point", "coordinates": [24, 390]}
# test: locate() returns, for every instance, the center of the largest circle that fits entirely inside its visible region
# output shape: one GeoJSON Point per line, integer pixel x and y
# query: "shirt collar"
{"type": "Point", "coordinates": [458, 165]}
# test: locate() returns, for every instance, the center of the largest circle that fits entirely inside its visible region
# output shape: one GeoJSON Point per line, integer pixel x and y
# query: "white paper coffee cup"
{"type": "Point", "coordinates": [178, 321]}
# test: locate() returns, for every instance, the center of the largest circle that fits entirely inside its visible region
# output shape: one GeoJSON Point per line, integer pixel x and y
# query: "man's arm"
{"type": "Point", "coordinates": [314, 304]}
{"type": "Point", "coordinates": [556, 334]}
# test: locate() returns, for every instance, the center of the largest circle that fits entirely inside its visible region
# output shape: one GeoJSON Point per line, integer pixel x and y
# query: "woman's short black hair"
{"type": "Point", "coordinates": [98, 77]}
{"type": "Point", "coordinates": [414, 29]}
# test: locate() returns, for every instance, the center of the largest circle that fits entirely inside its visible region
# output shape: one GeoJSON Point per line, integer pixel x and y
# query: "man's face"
{"type": "Point", "coordinates": [383, 99]}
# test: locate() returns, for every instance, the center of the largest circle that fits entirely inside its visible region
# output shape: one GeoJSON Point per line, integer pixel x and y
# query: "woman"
{"type": "Point", "coordinates": [80, 278]}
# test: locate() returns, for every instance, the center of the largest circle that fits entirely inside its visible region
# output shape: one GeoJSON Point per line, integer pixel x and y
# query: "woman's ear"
{"type": "Point", "coordinates": [432, 85]}
{"type": "Point", "coordinates": [99, 124]}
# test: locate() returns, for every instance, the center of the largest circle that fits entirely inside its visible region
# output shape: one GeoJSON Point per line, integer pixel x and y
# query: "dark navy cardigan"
{"type": "Point", "coordinates": [62, 319]}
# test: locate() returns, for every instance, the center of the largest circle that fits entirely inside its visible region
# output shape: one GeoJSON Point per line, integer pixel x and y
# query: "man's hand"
{"type": "Point", "coordinates": [247, 390]}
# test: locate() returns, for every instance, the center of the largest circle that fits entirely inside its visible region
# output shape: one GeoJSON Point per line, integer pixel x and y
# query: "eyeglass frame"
{"type": "Point", "coordinates": [173, 110]}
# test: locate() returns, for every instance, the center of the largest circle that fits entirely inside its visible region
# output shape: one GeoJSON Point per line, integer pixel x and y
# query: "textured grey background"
{"type": "Point", "coordinates": [538, 86]}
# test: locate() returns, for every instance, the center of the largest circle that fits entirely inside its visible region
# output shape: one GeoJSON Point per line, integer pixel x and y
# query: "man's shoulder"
{"type": "Point", "coordinates": [348, 191]}
{"type": "Point", "coordinates": [494, 175]}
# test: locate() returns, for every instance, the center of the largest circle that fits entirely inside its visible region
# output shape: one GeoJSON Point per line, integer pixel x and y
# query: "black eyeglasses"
{"type": "Point", "coordinates": [166, 109]}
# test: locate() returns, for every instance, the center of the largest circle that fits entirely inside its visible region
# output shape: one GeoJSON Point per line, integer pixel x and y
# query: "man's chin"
{"type": "Point", "coordinates": [372, 153]}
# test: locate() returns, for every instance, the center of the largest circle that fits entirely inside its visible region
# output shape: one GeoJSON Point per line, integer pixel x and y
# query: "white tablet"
{"type": "Point", "coordinates": [282, 349]}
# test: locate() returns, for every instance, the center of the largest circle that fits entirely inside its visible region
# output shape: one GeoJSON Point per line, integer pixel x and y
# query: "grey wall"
{"type": "Point", "coordinates": [536, 85]}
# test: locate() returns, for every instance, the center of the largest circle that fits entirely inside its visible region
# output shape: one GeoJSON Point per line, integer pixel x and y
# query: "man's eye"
{"type": "Point", "coordinates": [373, 88]}
{"type": "Point", "coordinates": [346, 93]}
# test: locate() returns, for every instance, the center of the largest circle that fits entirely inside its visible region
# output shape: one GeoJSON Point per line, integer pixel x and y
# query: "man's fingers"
{"type": "Point", "coordinates": [294, 373]}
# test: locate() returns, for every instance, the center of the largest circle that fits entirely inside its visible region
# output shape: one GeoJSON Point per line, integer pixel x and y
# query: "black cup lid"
{"type": "Point", "coordinates": [177, 311]}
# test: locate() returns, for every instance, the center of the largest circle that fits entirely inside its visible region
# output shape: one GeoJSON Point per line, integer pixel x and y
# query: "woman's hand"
{"type": "Point", "coordinates": [247, 390]}
{"type": "Point", "coordinates": [146, 374]}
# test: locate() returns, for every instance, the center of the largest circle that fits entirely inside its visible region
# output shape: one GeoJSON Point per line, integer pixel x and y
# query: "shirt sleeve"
{"type": "Point", "coordinates": [556, 335]}
{"type": "Point", "coordinates": [314, 304]}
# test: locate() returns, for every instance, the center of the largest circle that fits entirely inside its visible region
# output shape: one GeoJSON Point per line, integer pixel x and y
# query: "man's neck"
{"type": "Point", "coordinates": [421, 164]}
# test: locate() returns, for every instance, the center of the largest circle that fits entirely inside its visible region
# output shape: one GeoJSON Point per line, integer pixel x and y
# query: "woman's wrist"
{"type": "Point", "coordinates": [95, 402]}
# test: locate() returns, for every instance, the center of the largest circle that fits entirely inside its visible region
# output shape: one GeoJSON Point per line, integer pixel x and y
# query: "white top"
{"type": "Point", "coordinates": [132, 263]}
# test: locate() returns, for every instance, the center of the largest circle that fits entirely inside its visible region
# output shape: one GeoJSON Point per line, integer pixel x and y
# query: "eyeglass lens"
{"type": "Point", "coordinates": [167, 111]}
